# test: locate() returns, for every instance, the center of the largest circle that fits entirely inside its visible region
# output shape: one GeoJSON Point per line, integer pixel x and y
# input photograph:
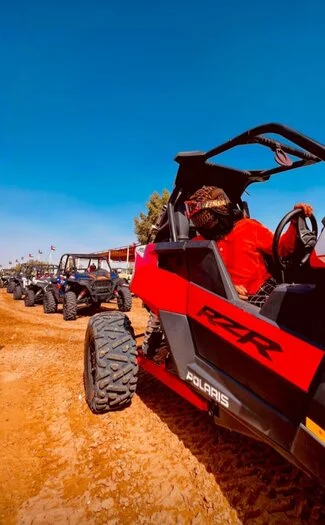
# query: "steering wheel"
{"type": "Point", "coordinates": [306, 240]}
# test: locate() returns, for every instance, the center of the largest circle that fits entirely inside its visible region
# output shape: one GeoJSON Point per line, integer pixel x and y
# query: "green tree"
{"type": "Point", "coordinates": [144, 221]}
{"type": "Point", "coordinates": [19, 267]}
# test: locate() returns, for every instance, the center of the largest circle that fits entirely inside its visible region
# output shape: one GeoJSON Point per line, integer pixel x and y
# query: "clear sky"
{"type": "Point", "coordinates": [96, 98]}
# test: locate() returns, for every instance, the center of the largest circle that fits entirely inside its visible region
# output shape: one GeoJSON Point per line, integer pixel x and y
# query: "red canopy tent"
{"type": "Point", "coordinates": [125, 253]}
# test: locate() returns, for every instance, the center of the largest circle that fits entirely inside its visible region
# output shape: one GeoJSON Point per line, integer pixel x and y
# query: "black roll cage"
{"type": "Point", "coordinates": [195, 171]}
{"type": "Point", "coordinates": [85, 256]}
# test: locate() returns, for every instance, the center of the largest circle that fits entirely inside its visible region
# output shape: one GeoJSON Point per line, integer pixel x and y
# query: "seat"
{"type": "Point", "coordinates": [285, 298]}
{"type": "Point", "coordinates": [185, 229]}
{"type": "Point", "coordinates": [299, 309]}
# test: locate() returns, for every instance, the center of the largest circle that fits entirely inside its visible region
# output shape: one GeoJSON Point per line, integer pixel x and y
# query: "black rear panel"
{"type": "Point", "coordinates": [316, 410]}
{"type": "Point", "coordinates": [310, 453]}
{"type": "Point", "coordinates": [203, 271]}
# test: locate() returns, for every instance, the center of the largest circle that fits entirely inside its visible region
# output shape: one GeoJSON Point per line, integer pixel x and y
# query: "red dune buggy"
{"type": "Point", "coordinates": [260, 372]}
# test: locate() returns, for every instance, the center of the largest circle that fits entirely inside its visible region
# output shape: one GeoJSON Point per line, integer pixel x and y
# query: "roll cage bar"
{"type": "Point", "coordinates": [86, 256]}
{"type": "Point", "coordinates": [195, 171]}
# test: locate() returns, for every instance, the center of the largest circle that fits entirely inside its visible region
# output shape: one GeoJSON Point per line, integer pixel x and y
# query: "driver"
{"type": "Point", "coordinates": [241, 241]}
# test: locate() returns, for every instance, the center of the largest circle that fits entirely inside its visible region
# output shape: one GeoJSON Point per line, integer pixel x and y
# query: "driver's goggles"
{"type": "Point", "coordinates": [220, 205]}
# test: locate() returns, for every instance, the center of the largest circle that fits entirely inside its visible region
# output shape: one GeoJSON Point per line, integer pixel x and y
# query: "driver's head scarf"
{"type": "Point", "coordinates": [210, 210]}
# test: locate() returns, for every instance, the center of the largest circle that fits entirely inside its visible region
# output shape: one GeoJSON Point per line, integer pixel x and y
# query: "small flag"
{"type": "Point", "coordinates": [52, 248]}
{"type": "Point", "coordinates": [22, 258]}
{"type": "Point", "coordinates": [30, 255]}
{"type": "Point", "coordinates": [40, 251]}
{"type": "Point", "coordinates": [10, 262]}
{"type": "Point", "coordinates": [17, 260]}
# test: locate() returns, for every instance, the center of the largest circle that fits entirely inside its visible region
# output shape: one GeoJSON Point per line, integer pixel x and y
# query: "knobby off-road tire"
{"type": "Point", "coordinates": [70, 306]}
{"type": "Point", "coordinates": [110, 368]}
{"type": "Point", "coordinates": [153, 336]}
{"type": "Point", "coordinates": [17, 292]}
{"type": "Point", "coordinates": [49, 303]}
{"type": "Point", "coordinates": [124, 299]}
{"type": "Point", "coordinates": [10, 287]}
{"type": "Point", "coordinates": [29, 298]}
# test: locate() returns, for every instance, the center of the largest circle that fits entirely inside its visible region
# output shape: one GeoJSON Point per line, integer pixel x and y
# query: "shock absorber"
{"type": "Point", "coordinates": [81, 295]}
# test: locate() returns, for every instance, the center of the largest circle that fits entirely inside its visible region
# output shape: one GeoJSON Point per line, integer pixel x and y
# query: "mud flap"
{"type": "Point", "coordinates": [309, 451]}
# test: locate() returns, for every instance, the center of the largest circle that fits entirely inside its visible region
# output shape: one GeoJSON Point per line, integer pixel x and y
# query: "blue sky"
{"type": "Point", "coordinates": [96, 98]}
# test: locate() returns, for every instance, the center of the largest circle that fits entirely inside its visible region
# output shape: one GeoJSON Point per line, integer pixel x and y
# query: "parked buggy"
{"type": "Point", "coordinates": [85, 280]}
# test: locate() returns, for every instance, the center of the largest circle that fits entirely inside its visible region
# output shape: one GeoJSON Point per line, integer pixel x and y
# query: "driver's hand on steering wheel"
{"type": "Point", "coordinates": [306, 208]}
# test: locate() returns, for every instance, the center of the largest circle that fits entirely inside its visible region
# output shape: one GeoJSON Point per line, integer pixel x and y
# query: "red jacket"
{"type": "Point", "coordinates": [242, 252]}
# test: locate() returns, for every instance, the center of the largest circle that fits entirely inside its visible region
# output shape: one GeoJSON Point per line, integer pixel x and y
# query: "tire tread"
{"type": "Point", "coordinates": [110, 337]}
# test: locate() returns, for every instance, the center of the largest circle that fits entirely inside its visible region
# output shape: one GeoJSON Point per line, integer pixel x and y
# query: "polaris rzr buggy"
{"type": "Point", "coordinates": [21, 281]}
{"type": "Point", "coordinates": [10, 283]}
{"type": "Point", "coordinates": [85, 279]}
{"type": "Point", "coordinates": [35, 289]}
{"type": "Point", "coordinates": [260, 372]}
{"type": "Point", "coordinates": [5, 277]}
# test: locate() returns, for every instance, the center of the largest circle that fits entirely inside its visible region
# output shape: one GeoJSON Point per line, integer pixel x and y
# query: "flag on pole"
{"type": "Point", "coordinates": [40, 251]}
{"type": "Point", "coordinates": [17, 260]}
{"type": "Point", "coordinates": [10, 262]}
{"type": "Point", "coordinates": [30, 255]}
{"type": "Point", "coordinates": [52, 248]}
{"type": "Point", "coordinates": [22, 258]}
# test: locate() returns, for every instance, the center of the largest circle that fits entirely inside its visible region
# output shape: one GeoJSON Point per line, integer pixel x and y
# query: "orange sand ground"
{"type": "Point", "coordinates": [160, 461]}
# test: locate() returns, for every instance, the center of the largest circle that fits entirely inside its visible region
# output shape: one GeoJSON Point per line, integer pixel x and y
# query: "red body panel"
{"type": "Point", "coordinates": [297, 361]}
{"type": "Point", "coordinates": [173, 382]}
{"type": "Point", "coordinates": [151, 282]}
{"type": "Point", "coordinates": [293, 359]}
{"type": "Point", "coordinates": [317, 261]}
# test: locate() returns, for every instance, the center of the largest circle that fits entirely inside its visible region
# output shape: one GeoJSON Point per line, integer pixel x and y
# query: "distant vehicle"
{"type": "Point", "coordinates": [5, 277]}
{"type": "Point", "coordinates": [21, 280]}
{"type": "Point", "coordinates": [42, 275]}
{"type": "Point", "coordinates": [125, 273]}
{"type": "Point", "coordinates": [85, 279]}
